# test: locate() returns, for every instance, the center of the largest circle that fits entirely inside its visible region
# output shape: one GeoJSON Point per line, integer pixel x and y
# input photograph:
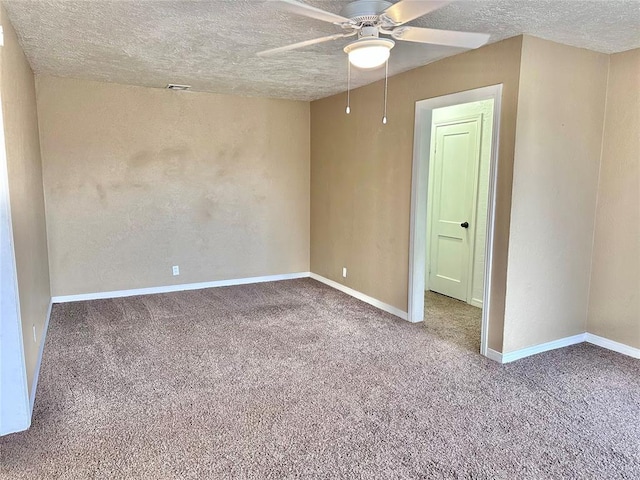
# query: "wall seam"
{"type": "Point", "coordinates": [515, 146]}
{"type": "Point", "coordinates": [36, 81]}
{"type": "Point", "coordinates": [595, 212]}
{"type": "Point", "coordinates": [309, 222]}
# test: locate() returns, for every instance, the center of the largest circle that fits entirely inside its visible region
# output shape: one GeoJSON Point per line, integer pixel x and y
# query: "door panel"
{"type": "Point", "coordinates": [449, 266]}
{"type": "Point", "coordinates": [456, 157]}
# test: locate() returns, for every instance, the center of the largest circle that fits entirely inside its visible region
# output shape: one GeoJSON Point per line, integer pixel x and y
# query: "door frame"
{"type": "Point", "coordinates": [14, 389]}
{"type": "Point", "coordinates": [419, 186]}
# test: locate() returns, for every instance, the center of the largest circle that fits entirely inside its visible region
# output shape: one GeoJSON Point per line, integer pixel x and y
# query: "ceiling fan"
{"type": "Point", "coordinates": [367, 19]}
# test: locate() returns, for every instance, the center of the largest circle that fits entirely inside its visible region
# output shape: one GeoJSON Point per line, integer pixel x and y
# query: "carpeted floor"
{"type": "Point", "coordinates": [296, 380]}
{"type": "Point", "coordinates": [455, 322]}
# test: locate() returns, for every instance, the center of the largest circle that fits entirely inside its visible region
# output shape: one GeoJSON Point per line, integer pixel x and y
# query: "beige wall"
{"type": "Point", "coordinates": [140, 179]}
{"type": "Point", "coordinates": [24, 168]}
{"type": "Point", "coordinates": [555, 181]}
{"type": "Point", "coordinates": [361, 174]}
{"type": "Point", "coordinates": [614, 303]}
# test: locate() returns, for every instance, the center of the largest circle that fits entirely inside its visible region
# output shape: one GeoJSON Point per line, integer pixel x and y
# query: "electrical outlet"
{"type": "Point", "coordinates": [35, 339]}
{"type": "Point", "coordinates": [176, 270]}
{"type": "Point", "coordinates": [344, 272]}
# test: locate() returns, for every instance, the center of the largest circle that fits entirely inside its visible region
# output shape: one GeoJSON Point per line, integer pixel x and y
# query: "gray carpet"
{"type": "Point", "coordinates": [296, 380]}
{"type": "Point", "coordinates": [455, 322]}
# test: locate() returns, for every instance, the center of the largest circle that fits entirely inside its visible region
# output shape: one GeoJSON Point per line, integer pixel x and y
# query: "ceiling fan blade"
{"type": "Point", "coordinates": [449, 38]}
{"type": "Point", "coordinates": [300, 8]}
{"type": "Point", "coordinates": [406, 10]}
{"type": "Point", "coordinates": [306, 43]}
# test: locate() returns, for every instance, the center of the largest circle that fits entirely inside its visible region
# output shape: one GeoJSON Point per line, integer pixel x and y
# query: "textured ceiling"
{"type": "Point", "coordinates": [212, 45]}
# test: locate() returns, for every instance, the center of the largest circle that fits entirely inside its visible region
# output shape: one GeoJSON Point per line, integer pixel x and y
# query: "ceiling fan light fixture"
{"type": "Point", "coordinates": [368, 53]}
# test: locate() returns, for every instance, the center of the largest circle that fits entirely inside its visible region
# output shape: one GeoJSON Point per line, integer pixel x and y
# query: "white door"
{"type": "Point", "coordinates": [454, 186]}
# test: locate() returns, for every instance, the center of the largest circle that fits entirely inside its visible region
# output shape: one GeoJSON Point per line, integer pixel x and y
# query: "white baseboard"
{"type": "Point", "coordinates": [36, 373]}
{"type": "Point", "coordinates": [177, 288]}
{"type": "Point", "coordinates": [612, 345]}
{"type": "Point", "coordinates": [543, 347]}
{"type": "Point", "coordinates": [361, 296]}
{"type": "Point", "coordinates": [493, 355]}
{"type": "Point", "coordinates": [476, 303]}
{"type": "Point", "coordinates": [564, 342]}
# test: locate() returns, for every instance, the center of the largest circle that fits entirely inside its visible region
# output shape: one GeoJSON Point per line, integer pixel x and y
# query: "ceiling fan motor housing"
{"type": "Point", "coordinates": [365, 12]}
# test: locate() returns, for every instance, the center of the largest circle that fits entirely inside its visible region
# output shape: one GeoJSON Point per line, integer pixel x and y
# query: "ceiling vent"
{"type": "Point", "coordinates": [175, 86]}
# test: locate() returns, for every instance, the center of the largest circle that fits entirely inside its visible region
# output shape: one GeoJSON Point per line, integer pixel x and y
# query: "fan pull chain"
{"type": "Point", "coordinates": [348, 110]}
{"type": "Point", "coordinates": [386, 79]}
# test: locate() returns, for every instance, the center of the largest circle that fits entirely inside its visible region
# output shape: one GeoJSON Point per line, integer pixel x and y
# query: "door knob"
{"type": "Point", "coordinates": [465, 225]}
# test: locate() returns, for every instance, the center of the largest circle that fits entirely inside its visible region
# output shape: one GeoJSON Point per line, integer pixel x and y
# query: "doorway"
{"type": "Point", "coordinates": [453, 199]}
{"type": "Point", "coordinates": [457, 192]}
